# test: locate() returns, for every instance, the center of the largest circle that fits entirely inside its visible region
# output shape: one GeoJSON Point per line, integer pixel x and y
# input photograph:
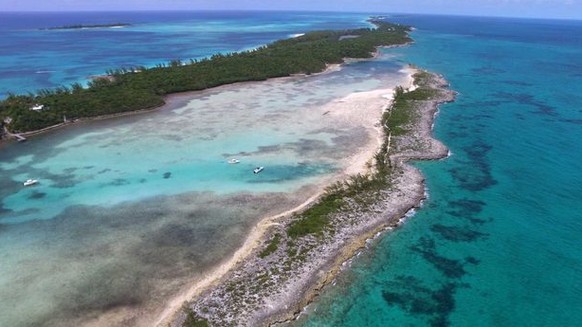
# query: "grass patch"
{"type": "Point", "coordinates": [400, 115]}
{"type": "Point", "coordinates": [316, 218]}
{"type": "Point", "coordinates": [420, 94]}
{"type": "Point", "coordinates": [271, 247]}
{"type": "Point", "coordinates": [365, 189]}
{"type": "Point", "coordinates": [192, 319]}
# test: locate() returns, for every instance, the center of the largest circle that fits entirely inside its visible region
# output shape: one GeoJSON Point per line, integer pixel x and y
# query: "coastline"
{"type": "Point", "coordinates": [211, 298]}
{"type": "Point", "coordinates": [391, 214]}
{"type": "Point", "coordinates": [344, 110]}
{"type": "Point", "coordinates": [171, 101]}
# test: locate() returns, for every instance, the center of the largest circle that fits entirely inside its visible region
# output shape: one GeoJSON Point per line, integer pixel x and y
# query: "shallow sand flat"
{"type": "Point", "coordinates": [295, 289]}
{"type": "Point", "coordinates": [132, 210]}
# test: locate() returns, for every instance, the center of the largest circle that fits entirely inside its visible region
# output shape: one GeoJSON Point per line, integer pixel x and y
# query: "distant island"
{"type": "Point", "coordinates": [83, 26]}
{"type": "Point", "coordinates": [137, 88]}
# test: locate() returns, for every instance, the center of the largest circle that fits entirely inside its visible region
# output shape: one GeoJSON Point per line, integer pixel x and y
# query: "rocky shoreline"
{"type": "Point", "coordinates": [278, 279]}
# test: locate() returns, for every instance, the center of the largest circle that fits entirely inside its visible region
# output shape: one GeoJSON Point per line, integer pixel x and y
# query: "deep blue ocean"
{"type": "Point", "coordinates": [497, 243]}
{"type": "Point", "coordinates": [499, 240]}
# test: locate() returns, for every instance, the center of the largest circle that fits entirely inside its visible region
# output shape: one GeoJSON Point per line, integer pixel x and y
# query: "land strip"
{"type": "Point", "coordinates": [305, 250]}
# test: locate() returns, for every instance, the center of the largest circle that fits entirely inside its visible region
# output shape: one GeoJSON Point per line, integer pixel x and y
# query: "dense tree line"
{"type": "Point", "coordinates": [130, 89]}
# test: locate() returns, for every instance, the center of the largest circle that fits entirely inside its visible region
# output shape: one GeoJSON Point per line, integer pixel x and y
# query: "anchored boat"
{"type": "Point", "coordinates": [30, 182]}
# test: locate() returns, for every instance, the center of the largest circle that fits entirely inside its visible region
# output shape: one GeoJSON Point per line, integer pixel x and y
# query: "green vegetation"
{"type": "Point", "coordinates": [399, 117]}
{"type": "Point", "coordinates": [192, 319]}
{"type": "Point", "coordinates": [271, 247]}
{"type": "Point", "coordinates": [137, 88]}
{"type": "Point", "coordinates": [364, 189]}
{"type": "Point", "coordinates": [359, 188]}
{"type": "Point", "coordinates": [316, 218]}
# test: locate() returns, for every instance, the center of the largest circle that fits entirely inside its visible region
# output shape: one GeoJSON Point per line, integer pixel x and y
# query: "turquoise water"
{"type": "Point", "coordinates": [128, 212]}
{"type": "Point", "coordinates": [498, 241]}
{"type": "Point", "coordinates": [165, 153]}
{"type": "Point", "coordinates": [33, 58]}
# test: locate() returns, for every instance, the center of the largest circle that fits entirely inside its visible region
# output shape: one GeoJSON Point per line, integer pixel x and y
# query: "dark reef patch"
{"type": "Point", "coordinates": [449, 267]}
{"type": "Point", "coordinates": [572, 121]}
{"type": "Point", "coordinates": [69, 170]}
{"type": "Point", "coordinates": [64, 182]}
{"type": "Point", "coordinates": [35, 195]}
{"type": "Point", "coordinates": [467, 209]}
{"type": "Point", "coordinates": [167, 175]}
{"type": "Point", "coordinates": [516, 83]}
{"type": "Point", "coordinates": [174, 235]}
{"type": "Point", "coordinates": [119, 182]}
{"type": "Point", "coordinates": [408, 293]}
{"type": "Point", "coordinates": [457, 233]}
{"type": "Point", "coordinates": [4, 210]}
{"type": "Point", "coordinates": [486, 71]}
{"type": "Point", "coordinates": [457, 134]}
{"type": "Point", "coordinates": [314, 148]}
{"type": "Point", "coordinates": [472, 260]}
{"type": "Point", "coordinates": [98, 292]}
{"type": "Point", "coordinates": [475, 175]}
{"type": "Point", "coordinates": [529, 100]}
{"type": "Point", "coordinates": [159, 244]}
{"type": "Point", "coordinates": [281, 173]}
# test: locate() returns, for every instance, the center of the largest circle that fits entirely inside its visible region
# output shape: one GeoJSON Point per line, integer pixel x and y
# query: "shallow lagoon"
{"type": "Point", "coordinates": [128, 211]}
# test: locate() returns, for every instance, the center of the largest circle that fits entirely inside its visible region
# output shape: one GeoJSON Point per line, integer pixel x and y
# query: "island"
{"type": "Point", "coordinates": [135, 89]}
{"type": "Point", "coordinates": [86, 26]}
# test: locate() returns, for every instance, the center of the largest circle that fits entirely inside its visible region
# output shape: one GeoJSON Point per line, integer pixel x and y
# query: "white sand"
{"type": "Point", "coordinates": [357, 109]}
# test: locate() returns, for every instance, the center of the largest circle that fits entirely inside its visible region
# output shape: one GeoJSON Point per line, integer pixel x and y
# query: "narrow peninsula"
{"type": "Point", "coordinates": [301, 252]}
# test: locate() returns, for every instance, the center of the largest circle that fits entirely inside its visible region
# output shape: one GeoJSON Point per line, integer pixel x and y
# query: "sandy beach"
{"type": "Point", "coordinates": [171, 101]}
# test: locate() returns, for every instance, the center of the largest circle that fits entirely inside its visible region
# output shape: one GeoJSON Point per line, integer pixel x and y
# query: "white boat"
{"type": "Point", "coordinates": [233, 161]}
{"type": "Point", "coordinates": [258, 170]}
{"type": "Point", "coordinates": [30, 182]}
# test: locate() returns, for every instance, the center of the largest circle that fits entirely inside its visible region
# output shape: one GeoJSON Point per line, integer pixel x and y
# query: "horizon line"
{"type": "Point", "coordinates": [286, 10]}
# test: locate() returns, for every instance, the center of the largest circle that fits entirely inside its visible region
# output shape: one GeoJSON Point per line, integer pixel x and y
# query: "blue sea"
{"type": "Point", "coordinates": [499, 240]}
{"type": "Point", "coordinates": [129, 212]}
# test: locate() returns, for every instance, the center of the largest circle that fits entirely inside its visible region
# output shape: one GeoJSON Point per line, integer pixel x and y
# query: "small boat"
{"type": "Point", "coordinates": [30, 182]}
{"type": "Point", "coordinates": [258, 170]}
{"type": "Point", "coordinates": [233, 161]}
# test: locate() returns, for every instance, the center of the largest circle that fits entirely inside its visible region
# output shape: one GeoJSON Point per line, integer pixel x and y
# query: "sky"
{"type": "Point", "coordinates": [571, 9]}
